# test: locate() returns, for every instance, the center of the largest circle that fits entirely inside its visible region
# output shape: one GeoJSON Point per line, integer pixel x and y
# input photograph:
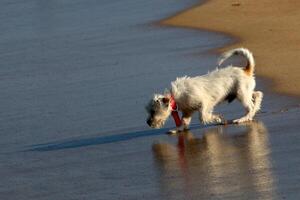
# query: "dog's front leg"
{"type": "Point", "coordinates": [186, 120]}
{"type": "Point", "coordinates": [207, 117]}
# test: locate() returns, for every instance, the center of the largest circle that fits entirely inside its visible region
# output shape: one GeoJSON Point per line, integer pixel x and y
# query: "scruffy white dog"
{"type": "Point", "coordinates": [203, 93]}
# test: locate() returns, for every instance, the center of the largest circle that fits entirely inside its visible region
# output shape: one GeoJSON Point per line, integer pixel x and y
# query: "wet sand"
{"type": "Point", "coordinates": [74, 81]}
{"type": "Point", "coordinates": [269, 28]}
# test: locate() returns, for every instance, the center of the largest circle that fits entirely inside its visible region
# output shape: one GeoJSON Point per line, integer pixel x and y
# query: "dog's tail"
{"type": "Point", "coordinates": [249, 69]}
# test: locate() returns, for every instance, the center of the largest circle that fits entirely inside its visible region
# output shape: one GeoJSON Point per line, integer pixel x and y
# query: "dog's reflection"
{"type": "Point", "coordinates": [230, 162]}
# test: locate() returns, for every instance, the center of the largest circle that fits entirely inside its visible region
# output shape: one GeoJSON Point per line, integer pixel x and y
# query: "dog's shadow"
{"type": "Point", "coordinates": [91, 141]}
{"type": "Point", "coordinates": [221, 158]}
{"type": "Point", "coordinates": [98, 140]}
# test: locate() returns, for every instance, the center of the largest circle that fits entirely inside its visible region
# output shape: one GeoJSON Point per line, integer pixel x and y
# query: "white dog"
{"type": "Point", "coordinates": [203, 93]}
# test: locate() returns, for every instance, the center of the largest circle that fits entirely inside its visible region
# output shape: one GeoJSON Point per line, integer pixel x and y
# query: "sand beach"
{"type": "Point", "coordinates": [269, 28]}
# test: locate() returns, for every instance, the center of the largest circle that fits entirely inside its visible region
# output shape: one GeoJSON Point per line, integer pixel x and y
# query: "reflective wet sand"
{"type": "Point", "coordinates": [219, 163]}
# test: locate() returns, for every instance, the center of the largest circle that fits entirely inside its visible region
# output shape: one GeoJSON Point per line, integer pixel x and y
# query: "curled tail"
{"type": "Point", "coordinates": [249, 69]}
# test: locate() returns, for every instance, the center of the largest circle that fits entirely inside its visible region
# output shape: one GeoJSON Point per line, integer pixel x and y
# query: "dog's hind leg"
{"type": "Point", "coordinates": [247, 102]}
{"type": "Point", "coordinates": [257, 98]}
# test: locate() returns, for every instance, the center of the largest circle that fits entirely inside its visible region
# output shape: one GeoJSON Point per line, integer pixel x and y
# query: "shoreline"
{"type": "Point", "coordinates": [263, 38]}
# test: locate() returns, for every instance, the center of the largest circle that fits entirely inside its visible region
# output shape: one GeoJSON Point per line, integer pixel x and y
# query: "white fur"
{"type": "Point", "coordinates": [241, 51]}
{"type": "Point", "coordinates": [203, 93]}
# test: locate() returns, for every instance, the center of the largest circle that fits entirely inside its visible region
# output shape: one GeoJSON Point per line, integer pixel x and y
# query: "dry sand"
{"type": "Point", "coordinates": [269, 28]}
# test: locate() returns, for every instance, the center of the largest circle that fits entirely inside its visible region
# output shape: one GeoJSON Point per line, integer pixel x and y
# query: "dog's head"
{"type": "Point", "coordinates": [159, 110]}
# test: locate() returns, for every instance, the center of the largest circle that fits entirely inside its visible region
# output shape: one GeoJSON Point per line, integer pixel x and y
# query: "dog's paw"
{"type": "Point", "coordinates": [174, 131]}
{"type": "Point", "coordinates": [242, 120]}
{"type": "Point", "coordinates": [236, 121]}
{"type": "Point", "coordinates": [218, 119]}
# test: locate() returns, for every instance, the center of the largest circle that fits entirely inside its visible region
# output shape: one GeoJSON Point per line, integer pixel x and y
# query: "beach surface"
{"type": "Point", "coordinates": [75, 76]}
{"type": "Point", "coordinates": [269, 28]}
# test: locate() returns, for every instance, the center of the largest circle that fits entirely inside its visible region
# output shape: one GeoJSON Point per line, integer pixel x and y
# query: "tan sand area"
{"type": "Point", "coordinates": [269, 28]}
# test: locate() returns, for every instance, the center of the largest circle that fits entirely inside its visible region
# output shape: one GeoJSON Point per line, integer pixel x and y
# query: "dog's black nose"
{"type": "Point", "coordinates": [149, 122]}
